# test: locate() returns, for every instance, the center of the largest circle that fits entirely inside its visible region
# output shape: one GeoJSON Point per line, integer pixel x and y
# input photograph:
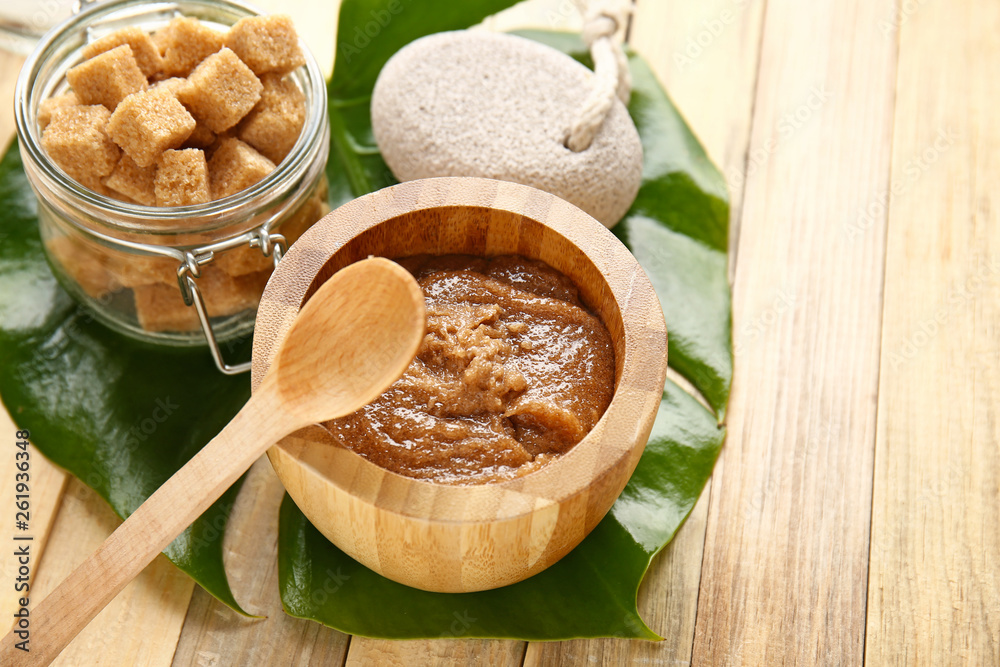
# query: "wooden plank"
{"type": "Point", "coordinates": [934, 585]}
{"type": "Point", "coordinates": [784, 577]}
{"type": "Point", "coordinates": [213, 634]}
{"type": "Point", "coordinates": [434, 652]}
{"type": "Point", "coordinates": [726, 39]}
{"type": "Point", "coordinates": [142, 624]}
{"type": "Point", "coordinates": [45, 488]}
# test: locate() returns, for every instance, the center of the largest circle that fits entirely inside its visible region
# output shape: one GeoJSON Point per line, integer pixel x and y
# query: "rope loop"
{"type": "Point", "coordinates": [601, 21]}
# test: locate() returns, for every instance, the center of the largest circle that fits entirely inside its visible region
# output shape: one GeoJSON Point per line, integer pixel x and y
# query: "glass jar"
{"type": "Point", "coordinates": [184, 275]}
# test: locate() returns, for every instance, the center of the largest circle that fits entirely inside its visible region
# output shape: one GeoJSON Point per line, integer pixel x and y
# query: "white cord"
{"type": "Point", "coordinates": [601, 20]}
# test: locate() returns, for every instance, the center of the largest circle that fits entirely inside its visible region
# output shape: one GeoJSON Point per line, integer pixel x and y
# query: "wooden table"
{"type": "Point", "coordinates": [854, 514]}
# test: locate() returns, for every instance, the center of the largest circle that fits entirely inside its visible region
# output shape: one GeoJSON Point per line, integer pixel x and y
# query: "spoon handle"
{"type": "Point", "coordinates": [153, 526]}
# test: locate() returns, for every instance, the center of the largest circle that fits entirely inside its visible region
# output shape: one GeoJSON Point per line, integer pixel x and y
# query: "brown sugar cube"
{"type": "Point", "coordinates": [221, 91]}
{"type": "Point", "coordinates": [171, 85]}
{"type": "Point", "coordinates": [53, 104]}
{"type": "Point", "coordinates": [235, 166]}
{"type": "Point", "coordinates": [161, 307]}
{"type": "Point", "coordinates": [147, 55]}
{"type": "Point", "coordinates": [98, 186]}
{"type": "Point", "coordinates": [182, 178]}
{"type": "Point", "coordinates": [107, 78]}
{"type": "Point", "coordinates": [266, 44]}
{"type": "Point", "coordinates": [274, 125]}
{"type": "Point", "coordinates": [112, 194]}
{"type": "Point", "coordinates": [312, 210]}
{"type": "Point", "coordinates": [146, 124]}
{"type": "Point", "coordinates": [220, 139]}
{"type": "Point", "coordinates": [76, 139]}
{"type": "Point", "coordinates": [243, 260]}
{"type": "Point", "coordinates": [184, 43]}
{"type": "Point", "coordinates": [83, 263]}
{"type": "Point", "coordinates": [133, 181]}
{"type": "Point", "coordinates": [202, 137]}
{"type": "Point", "coordinates": [139, 270]}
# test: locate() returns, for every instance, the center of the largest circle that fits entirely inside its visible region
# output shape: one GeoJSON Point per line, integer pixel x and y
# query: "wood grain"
{"type": "Point", "coordinates": [214, 635]}
{"type": "Point", "coordinates": [45, 488]}
{"type": "Point", "coordinates": [142, 624]}
{"type": "Point", "coordinates": [436, 652]}
{"type": "Point", "coordinates": [934, 591]}
{"type": "Point", "coordinates": [10, 66]}
{"type": "Point", "coordinates": [784, 577]}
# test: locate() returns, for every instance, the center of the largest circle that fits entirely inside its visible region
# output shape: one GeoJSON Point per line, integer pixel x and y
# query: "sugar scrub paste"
{"type": "Point", "coordinates": [512, 373]}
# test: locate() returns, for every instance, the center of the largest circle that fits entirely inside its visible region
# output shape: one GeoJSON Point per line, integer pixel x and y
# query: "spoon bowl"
{"type": "Point", "coordinates": [349, 339]}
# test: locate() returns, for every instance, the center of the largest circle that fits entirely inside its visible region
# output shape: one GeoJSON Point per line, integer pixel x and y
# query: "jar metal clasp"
{"type": "Point", "coordinates": [270, 244]}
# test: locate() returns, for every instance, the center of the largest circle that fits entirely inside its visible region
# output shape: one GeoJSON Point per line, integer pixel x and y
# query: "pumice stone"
{"type": "Point", "coordinates": [474, 103]}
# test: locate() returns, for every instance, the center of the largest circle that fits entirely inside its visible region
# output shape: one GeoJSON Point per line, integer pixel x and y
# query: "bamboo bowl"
{"type": "Point", "coordinates": [470, 538]}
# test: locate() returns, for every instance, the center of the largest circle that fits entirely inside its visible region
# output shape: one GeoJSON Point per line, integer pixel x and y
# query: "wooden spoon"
{"type": "Point", "coordinates": [351, 340]}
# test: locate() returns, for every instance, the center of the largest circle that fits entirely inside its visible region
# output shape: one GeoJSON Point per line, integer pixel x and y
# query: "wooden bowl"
{"type": "Point", "coordinates": [469, 538]}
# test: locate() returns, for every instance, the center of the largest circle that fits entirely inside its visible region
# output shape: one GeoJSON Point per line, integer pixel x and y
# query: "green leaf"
{"type": "Point", "coordinates": [121, 416]}
{"type": "Point", "coordinates": [677, 229]}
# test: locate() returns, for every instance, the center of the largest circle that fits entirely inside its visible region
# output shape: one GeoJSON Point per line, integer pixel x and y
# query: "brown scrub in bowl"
{"type": "Point", "coordinates": [512, 373]}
